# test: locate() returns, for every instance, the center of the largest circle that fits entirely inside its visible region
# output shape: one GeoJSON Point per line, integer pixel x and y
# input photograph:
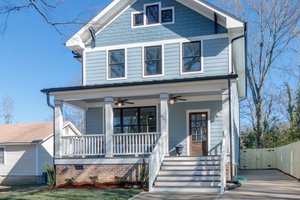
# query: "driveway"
{"type": "Point", "coordinates": [261, 184]}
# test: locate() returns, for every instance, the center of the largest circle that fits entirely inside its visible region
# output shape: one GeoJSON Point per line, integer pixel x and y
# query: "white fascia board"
{"type": "Point", "coordinates": [208, 11]}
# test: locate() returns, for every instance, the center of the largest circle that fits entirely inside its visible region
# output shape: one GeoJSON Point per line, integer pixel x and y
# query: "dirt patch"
{"type": "Point", "coordinates": [102, 186]}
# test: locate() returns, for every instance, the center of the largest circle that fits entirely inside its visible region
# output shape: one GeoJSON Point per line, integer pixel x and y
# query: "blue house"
{"type": "Point", "coordinates": [160, 78]}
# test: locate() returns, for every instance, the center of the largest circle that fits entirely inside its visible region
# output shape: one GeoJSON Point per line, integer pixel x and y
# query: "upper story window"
{"type": "Point", "coordinates": [1, 155]}
{"type": "Point", "coordinates": [153, 14]}
{"type": "Point", "coordinates": [153, 61]}
{"type": "Point", "coordinates": [191, 57]}
{"type": "Point", "coordinates": [116, 64]}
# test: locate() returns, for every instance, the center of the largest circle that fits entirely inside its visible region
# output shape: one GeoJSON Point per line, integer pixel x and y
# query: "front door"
{"type": "Point", "coordinates": [198, 130]}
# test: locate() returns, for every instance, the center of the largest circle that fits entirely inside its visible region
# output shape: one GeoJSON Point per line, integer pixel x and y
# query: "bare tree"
{"type": "Point", "coordinates": [275, 27]}
{"type": "Point", "coordinates": [43, 8]}
{"type": "Point", "coordinates": [6, 109]}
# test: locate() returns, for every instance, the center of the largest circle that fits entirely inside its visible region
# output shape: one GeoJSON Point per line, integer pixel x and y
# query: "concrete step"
{"type": "Point", "coordinates": [188, 178]}
{"type": "Point", "coordinates": [187, 189]}
{"type": "Point", "coordinates": [191, 158]}
{"type": "Point", "coordinates": [191, 167]}
{"type": "Point", "coordinates": [188, 162]}
{"type": "Point", "coordinates": [188, 183]}
{"type": "Point", "coordinates": [190, 173]}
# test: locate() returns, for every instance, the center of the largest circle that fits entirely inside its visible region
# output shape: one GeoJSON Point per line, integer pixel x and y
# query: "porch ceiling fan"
{"type": "Point", "coordinates": [175, 99]}
{"type": "Point", "coordinates": [122, 102]}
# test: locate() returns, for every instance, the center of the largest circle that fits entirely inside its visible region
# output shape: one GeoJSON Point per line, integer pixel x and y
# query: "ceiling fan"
{"type": "Point", "coordinates": [175, 99]}
{"type": "Point", "coordinates": [122, 102]}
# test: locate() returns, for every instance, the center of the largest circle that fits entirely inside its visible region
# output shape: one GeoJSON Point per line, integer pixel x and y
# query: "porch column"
{"type": "Point", "coordinates": [225, 110]}
{"type": "Point", "coordinates": [58, 121]}
{"type": "Point", "coordinates": [109, 126]}
{"type": "Point", "coordinates": [164, 120]}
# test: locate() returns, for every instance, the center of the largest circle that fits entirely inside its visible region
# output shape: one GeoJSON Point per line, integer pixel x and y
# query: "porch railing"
{"type": "Point", "coordinates": [83, 145]}
{"type": "Point", "coordinates": [134, 143]}
{"type": "Point", "coordinates": [223, 161]}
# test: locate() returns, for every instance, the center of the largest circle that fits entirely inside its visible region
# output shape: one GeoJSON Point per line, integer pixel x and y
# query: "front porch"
{"type": "Point", "coordinates": [122, 138]}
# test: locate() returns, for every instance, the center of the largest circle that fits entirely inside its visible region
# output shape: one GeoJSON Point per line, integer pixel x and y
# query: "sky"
{"type": "Point", "coordinates": [33, 57]}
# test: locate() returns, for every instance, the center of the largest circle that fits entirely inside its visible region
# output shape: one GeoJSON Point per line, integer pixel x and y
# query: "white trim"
{"type": "Point", "coordinates": [84, 67]}
{"type": "Point", "coordinates": [37, 159]}
{"type": "Point", "coordinates": [229, 56]}
{"type": "Point", "coordinates": [160, 42]}
{"type": "Point", "coordinates": [201, 58]}
{"type": "Point", "coordinates": [132, 19]}
{"type": "Point", "coordinates": [111, 21]}
{"type": "Point", "coordinates": [162, 61]}
{"type": "Point", "coordinates": [4, 155]}
{"type": "Point", "coordinates": [102, 161]}
{"type": "Point", "coordinates": [188, 128]}
{"type": "Point", "coordinates": [173, 15]}
{"type": "Point", "coordinates": [107, 65]}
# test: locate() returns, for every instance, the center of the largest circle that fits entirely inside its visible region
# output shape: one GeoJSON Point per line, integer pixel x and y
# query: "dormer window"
{"type": "Point", "coordinates": [153, 14]}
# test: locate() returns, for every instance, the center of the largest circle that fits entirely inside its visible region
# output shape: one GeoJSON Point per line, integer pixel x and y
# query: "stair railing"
{"type": "Point", "coordinates": [156, 159]}
{"type": "Point", "coordinates": [223, 161]}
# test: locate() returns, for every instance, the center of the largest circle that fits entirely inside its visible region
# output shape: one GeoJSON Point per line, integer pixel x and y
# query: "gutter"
{"type": "Point", "coordinates": [229, 90]}
{"type": "Point", "coordinates": [53, 108]}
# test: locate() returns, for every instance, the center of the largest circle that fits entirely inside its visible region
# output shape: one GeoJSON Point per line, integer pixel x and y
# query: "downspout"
{"type": "Point", "coordinates": [229, 91]}
{"type": "Point", "coordinates": [53, 108]}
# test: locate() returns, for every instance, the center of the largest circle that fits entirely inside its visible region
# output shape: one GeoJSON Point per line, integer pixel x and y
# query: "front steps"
{"type": "Point", "coordinates": [189, 174]}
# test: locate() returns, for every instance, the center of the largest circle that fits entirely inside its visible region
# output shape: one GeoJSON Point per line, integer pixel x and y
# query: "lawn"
{"type": "Point", "coordinates": [72, 194]}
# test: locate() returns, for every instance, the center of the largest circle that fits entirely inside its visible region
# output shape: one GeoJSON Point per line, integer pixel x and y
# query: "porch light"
{"type": "Point", "coordinates": [172, 101]}
{"type": "Point", "coordinates": [119, 104]}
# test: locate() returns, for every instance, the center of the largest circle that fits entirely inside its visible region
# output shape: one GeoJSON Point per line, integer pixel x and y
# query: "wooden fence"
{"type": "Point", "coordinates": [285, 158]}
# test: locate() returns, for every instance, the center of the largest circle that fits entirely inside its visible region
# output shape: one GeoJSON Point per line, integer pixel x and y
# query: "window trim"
{"type": "Point", "coordinates": [139, 120]}
{"type": "Point", "coordinates": [162, 61]}
{"type": "Point", "coordinates": [4, 156]}
{"type": "Point", "coordinates": [145, 15]}
{"type": "Point", "coordinates": [201, 58]}
{"type": "Point", "coordinates": [108, 67]}
{"type": "Point", "coordinates": [173, 15]}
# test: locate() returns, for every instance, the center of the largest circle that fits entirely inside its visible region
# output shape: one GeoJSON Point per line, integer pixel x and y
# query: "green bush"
{"type": "Point", "coordinates": [50, 175]}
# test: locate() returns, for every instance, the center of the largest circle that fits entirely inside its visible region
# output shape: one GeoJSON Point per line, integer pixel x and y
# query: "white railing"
{"type": "Point", "coordinates": [223, 161]}
{"type": "Point", "coordinates": [134, 143]}
{"type": "Point", "coordinates": [83, 145]}
{"type": "Point", "coordinates": [155, 160]}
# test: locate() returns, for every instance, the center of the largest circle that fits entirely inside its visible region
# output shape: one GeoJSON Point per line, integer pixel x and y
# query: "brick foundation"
{"type": "Point", "coordinates": [234, 167]}
{"type": "Point", "coordinates": [105, 173]}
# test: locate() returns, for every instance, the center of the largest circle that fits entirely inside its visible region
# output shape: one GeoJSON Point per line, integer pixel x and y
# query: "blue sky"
{"type": "Point", "coordinates": [33, 57]}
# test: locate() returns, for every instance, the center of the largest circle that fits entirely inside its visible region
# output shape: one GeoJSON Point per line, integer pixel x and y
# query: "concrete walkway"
{"type": "Point", "coordinates": [261, 184]}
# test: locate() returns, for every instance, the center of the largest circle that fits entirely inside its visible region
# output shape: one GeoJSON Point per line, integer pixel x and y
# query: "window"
{"type": "Point", "coordinates": [153, 61]}
{"type": "Point", "coordinates": [135, 120]}
{"type": "Point", "coordinates": [152, 14]}
{"type": "Point", "coordinates": [167, 16]}
{"type": "Point", "coordinates": [191, 60]}
{"type": "Point", "coordinates": [116, 62]}
{"type": "Point", "coordinates": [1, 155]}
{"type": "Point", "coordinates": [138, 19]}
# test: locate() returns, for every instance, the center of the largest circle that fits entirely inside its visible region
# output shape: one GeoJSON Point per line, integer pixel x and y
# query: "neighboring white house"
{"type": "Point", "coordinates": [25, 149]}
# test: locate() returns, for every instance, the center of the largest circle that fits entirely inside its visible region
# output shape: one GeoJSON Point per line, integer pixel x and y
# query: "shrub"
{"type": "Point", "coordinates": [50, 175]}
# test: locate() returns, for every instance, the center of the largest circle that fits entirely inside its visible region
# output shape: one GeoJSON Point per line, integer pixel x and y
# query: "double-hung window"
{"type": "Point", "coordinates": [153, 61]}
{"type": "Point", "coordinates": [116, 64]}
{"type": "Point", "coordinates": [1, 155]}
{"type": "Point", "coordinates": [191, 58]}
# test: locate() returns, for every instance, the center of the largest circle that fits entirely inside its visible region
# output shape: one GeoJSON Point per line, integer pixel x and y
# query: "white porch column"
{"type": "Point", "coordinates": [109, 126]}
{"type": "Point", "coordinates": [226, 120]}
{"type": "Point", "coordinates": [164, 120]}
{"type": "Point", "coordinates": [59, 123]}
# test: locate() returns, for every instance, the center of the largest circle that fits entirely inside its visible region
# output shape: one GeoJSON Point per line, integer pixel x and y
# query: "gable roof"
{"type": "Point", "coordinates": [78, 41]}
{"type": "Point", "coordinates": [30, 133]}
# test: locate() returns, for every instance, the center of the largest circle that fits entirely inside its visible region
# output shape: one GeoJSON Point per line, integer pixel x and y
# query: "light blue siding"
{"type": "Point", "coordinates": [94, 121]}
{"type": "Point", "coordinates": [216, 62]}
{"type": "Point", "coordinates": [178, 123]}
{"type": "Point", "coordinates": [188, 23]}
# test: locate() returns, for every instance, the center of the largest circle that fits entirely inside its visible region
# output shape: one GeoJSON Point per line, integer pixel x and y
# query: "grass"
{"type": "Point", "coordinates": [72, 194]}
